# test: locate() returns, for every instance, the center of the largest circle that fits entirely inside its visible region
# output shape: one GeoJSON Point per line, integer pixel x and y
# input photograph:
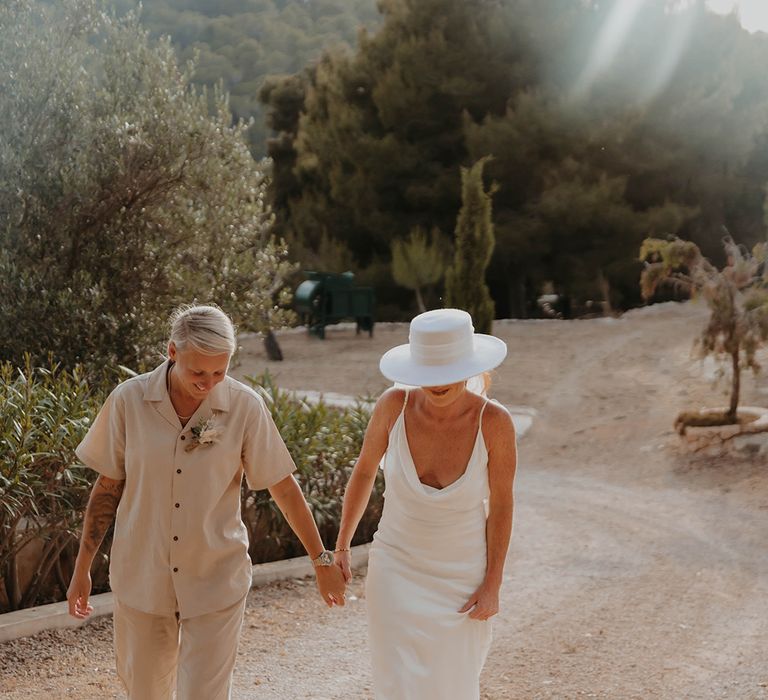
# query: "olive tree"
{"type": "Point", "coordinates": [418, 262]}
{"type": "Point", "coordinates": [122, 193]}
{"type": "Point", "coordinates": [737, 296]}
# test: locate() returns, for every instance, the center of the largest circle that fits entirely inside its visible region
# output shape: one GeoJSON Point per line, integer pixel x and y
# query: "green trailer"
{"type": "Point", "coordinates": [326, 298]}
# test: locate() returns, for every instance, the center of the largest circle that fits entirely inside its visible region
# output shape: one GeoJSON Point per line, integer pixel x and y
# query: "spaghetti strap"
{"type": "Point", "coordinates": [482, 410]}
{"type": "Point", "coordinates": [405, 401]}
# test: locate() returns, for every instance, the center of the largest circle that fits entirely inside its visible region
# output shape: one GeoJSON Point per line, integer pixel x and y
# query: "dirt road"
{"type": "Point", "coordinates": [636, 570]}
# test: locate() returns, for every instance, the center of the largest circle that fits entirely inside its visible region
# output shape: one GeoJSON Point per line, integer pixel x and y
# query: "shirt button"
{"type": "Point", "coordinates": [178, 471]}
{"type": "Point", "coordinates": [177, 504]}
{"type": "Point", "coordinates": [175, 538]}
{"type": "Point", "coordinates": [183, 437]}
{"type": "Point", "coordinates": [175, 569]}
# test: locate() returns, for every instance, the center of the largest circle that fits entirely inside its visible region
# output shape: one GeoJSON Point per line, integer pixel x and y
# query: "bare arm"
{"type": "Point", "coordinates": [360, 484]}
{"type": "Point", "coordinates": [502, 464]}
{"type": "Point", "coordinates": [99, 515]}
{"type": "Point", "coordinates": [289, 498]}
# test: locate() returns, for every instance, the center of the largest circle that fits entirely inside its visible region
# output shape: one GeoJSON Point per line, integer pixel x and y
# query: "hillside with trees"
{"type": "Point", "coordinates": [599, 135]}
{"type": "Point", "coordinates": [604, 126]}
{"type": "Point", "coordinates": [239, 43]}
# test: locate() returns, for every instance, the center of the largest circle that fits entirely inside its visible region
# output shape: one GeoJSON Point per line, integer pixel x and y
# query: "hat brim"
{"type": "Point", "coordinates": [398, 365]}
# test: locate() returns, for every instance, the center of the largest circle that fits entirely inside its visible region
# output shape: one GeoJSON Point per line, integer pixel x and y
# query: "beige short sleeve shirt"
{"type": "Point", "coordinates": [179, 542]}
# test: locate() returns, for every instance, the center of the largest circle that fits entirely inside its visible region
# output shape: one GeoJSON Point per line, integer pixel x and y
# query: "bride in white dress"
{"type": "Point", "coordinates": [436, 563]}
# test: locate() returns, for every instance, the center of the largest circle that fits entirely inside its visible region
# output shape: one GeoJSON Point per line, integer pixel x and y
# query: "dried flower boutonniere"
{"type": "Point", "coordinates": [204, 433]}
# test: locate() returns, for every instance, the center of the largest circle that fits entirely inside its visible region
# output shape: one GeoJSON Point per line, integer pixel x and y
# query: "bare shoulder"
{"type": "Point", "coordinates": [496, 417]}
{"type": "Point", "coordinates": [499, 432]}
{"type": "Point", "coordinates": [388, 406]}
{"type": "Point", "coordinates": [382, 420]}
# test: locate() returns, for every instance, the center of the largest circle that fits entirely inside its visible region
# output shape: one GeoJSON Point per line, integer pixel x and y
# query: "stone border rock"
{"type": "Point", "coordinates": [24, 623]}
{"type": "Point", "coordinates": [750, 437]}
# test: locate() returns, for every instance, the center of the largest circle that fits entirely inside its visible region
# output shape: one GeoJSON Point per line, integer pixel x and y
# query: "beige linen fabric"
{"type": "Point", "coordinates": [179, 542]}
{"type": "Point", "coordinates": [150, 648]}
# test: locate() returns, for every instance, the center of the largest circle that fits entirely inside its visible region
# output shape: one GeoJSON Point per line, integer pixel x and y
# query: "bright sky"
{"type": "Point", "coordinates": [753, 13]}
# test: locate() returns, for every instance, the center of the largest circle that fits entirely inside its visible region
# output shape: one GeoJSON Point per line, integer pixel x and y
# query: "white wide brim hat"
{"type": "Point", "coordinates": [442, 349]}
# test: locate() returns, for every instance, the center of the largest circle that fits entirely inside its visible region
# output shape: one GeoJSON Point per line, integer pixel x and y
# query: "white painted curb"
{"type": "Point", "coordinates": [24, 623]}
{"type": "Point", "coordinates": [522, 416]}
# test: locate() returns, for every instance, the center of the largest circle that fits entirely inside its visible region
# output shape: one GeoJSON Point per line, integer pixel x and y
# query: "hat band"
{"type": "Point", "coordinates": [442, 353]}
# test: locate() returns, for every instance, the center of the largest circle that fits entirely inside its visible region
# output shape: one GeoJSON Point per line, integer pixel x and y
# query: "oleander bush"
{"type": "Point", "coordinates": [44, 489]}
{"type": "Point", "coordinates": [324, 442]}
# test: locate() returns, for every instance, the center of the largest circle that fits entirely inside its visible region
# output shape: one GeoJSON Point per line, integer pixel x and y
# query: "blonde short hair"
{"type": "Point", "coordinates": [206, 329]}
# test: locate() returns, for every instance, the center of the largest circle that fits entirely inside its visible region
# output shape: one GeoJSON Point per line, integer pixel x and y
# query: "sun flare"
{"type": "Point", "coordinates": [753, 14]}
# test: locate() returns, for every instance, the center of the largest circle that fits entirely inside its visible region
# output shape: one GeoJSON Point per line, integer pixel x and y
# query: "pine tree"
{"type": "Point", "coordinates": [381, 133]}
{"type": "Point", "coordinates": [465, 286]}
{"type": "Point", "coordinates": [374, 148]}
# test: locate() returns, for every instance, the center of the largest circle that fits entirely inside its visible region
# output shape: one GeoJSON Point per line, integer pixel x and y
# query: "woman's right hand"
{"type": "Point", "coordinates": [344, 562]}
{"type": "Point", "coordinates": [331, 584]}
{"type": "Point", "coordinates": [78, 593]}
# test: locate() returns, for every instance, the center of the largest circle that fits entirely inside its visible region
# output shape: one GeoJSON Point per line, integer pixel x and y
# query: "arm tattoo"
{"type": "Point", "coordinates": [101, 510]}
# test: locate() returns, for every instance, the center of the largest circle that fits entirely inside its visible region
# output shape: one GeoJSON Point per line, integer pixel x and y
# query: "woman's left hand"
{"type": "Point", "coordinates": [343, 560]}
{"type": "Point", "coordinates": [483, 603]}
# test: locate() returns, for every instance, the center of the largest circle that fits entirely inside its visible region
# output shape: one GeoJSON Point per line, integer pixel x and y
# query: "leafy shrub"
{"type": "Point", "coordinates": [44, 489]}
{"type": "Point", "coordinates": [324, 442]}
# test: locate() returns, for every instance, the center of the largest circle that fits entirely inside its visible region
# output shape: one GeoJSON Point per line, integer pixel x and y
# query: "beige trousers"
{"type": "Point", "coordinates": [156, 653]}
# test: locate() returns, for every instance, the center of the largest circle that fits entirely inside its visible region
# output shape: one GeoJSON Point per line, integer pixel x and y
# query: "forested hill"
{"type": "Point", "coordinates": [240, 42]}
{"type": "Point", "coordinates": [606, 122]}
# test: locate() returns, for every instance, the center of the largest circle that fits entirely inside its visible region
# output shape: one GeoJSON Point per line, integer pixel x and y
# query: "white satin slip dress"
{"type": "Point", "coordinates": [427, 557]}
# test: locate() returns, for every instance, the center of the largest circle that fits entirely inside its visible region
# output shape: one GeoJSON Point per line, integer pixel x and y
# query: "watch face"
{"type": "Point", "coordinates": [325, 559]}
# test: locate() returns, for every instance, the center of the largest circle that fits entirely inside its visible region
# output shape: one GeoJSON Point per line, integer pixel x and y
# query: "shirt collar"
{"type": "Point", "coordinates": [155, 389]}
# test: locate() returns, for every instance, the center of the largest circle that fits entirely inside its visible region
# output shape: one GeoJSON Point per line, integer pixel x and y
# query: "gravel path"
{"type": "Point", "coordinates": [636, 571]}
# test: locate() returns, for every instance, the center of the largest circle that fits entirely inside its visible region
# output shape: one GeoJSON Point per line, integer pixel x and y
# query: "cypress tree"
{"type": "Point", "coordinates": [465, 286]}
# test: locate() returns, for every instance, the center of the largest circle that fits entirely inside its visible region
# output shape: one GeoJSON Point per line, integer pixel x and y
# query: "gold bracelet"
{"type": "Point", "coordinates": [342, 549]}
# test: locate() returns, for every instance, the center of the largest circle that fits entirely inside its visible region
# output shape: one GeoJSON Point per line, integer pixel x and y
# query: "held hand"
{"type": "Point", "coordinates": [331, 584]}
{"type": "Point", "coordinates": [78, 593]}
{"type": "Point", "coordinates": [483, 603]}
{"type": "Point", "coordinates": [344, 562]}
